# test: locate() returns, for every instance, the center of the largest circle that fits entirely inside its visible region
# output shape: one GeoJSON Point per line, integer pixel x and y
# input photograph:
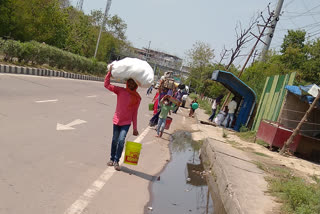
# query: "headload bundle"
{"type": "Point", "coordinates": [138, 70]}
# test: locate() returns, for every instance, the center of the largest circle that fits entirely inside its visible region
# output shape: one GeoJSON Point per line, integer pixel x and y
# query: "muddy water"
{"type": "Point", "coordinates": [182, 186]}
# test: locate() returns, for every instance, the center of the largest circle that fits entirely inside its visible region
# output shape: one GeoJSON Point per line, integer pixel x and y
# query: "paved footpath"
{"type": "Point", "coordinates": [235, 177]}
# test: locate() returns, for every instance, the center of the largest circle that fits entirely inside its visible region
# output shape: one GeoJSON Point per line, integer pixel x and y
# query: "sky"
{"type": "Point", "coordinates": [173, 26]}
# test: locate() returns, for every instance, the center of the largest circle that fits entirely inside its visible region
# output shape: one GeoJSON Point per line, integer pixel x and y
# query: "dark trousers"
{"type": "Point", "coordinates": [118, 140]}
{"type": "Point", "coordinates": [213, 114]}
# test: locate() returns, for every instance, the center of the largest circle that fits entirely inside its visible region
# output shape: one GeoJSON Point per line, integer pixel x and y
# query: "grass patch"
{"type": "Point", "coordinates": [262, 143]}
{"type": "Point", "coordinates": [261, 154]}
{"type": "Point", "coordinates": [203, 104]}
{"type": "Point", "coordinates": [247, 136]}
{"type": "Point", "coordinates": [260, 165]}
{"type": "Point", "coordinates": [250, 136]}
{"type": "Point", "coordinates": [192, 96]}
{"type": "Point", "coordinates": [233, 143]}
{"type": "Point", "coordinates": [224, 133]}
{"type": "Point", "coordinates": [297, 195]}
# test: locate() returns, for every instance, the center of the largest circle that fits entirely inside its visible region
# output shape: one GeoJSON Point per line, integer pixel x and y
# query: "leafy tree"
{"type": "Point", "coordinates": [117, 27]}
{"type": "Point", "coordinates": [82, 36]}
{"type": "Point", "coordinates": [200, 55]}
{"type": "Point", "coordinates": [310, 68]}
{"type": "Point", "coordinates": [56, 23]}
{"type": "Point", "coordinates": [6, 20]}
{"type": "Point", "coordinates": [293, 39]}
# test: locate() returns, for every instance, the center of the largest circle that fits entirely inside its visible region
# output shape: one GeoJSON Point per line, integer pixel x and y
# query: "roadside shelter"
{"type": "Point", "coordinates": [245, 96]}
{"type": "Point", "coordinates": [296, 103]}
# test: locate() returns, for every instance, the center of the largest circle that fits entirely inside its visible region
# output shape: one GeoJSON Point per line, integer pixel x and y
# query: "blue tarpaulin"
{"type": "Point", "coordinates": [302, 92]}
{"type": "Point", "coordinates": [242, 92]}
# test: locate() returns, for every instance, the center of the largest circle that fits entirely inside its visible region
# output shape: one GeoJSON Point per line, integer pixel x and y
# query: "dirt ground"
{"type": "Point", "coordinates": [300, 167]}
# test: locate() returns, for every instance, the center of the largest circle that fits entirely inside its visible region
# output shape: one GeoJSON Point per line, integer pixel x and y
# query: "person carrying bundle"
{"type": "Point", "coordinates": [136, 73]}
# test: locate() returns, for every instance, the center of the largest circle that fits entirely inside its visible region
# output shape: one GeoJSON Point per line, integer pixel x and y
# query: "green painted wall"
{"type": "Point", "coordinates": [272, 98]}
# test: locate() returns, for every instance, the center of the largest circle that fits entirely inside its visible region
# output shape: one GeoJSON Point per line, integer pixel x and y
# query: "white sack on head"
{"type": "Point", "coordinates": [140, 71]}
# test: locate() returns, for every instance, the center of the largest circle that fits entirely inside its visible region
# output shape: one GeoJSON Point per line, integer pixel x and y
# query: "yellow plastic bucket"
{"type": "Point", "coordinates": [132, 153]}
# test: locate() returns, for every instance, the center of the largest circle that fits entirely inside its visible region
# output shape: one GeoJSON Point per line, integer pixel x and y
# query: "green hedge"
{"type": "Point", "coordinates": [40, 54]}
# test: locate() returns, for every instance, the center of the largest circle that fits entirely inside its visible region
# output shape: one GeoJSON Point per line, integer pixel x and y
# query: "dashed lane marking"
{"type": "Point", "coordinates": [79, 205]}
{"type": "Point", "coordinates": [46, 101]}
{"type": "Point", "coordinates": [91, 96]}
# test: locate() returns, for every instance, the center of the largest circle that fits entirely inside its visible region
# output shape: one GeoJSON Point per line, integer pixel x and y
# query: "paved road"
{"type": "Point", "coordinates": [43, 170]}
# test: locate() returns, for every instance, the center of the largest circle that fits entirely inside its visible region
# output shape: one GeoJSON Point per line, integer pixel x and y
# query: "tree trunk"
{"type": "Point", "coordinates": [297, 129]}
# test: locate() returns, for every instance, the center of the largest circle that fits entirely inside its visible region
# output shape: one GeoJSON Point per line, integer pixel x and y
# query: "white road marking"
{"type": "Point", "coordinates": [91, 96]}
{"type": "Point", "coordinates": [61, 127]}
{"type": "Point", "coordinates": [184, 120]}
{"type": "Point", "coordinates": [79, 205]}
{"type": "Point", "coordinates": [46, 101]}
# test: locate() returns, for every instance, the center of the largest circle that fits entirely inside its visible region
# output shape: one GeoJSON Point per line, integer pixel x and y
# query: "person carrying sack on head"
{"type": "Point", "coordinates": [128, 102]}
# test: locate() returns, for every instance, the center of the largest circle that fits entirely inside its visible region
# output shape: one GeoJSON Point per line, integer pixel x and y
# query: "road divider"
{"type": "Point", "coordinates": [12, 69]}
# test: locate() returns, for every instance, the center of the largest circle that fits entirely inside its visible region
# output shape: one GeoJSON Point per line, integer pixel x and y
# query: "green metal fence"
{"type": "Point", "coordinates": [272, 98]}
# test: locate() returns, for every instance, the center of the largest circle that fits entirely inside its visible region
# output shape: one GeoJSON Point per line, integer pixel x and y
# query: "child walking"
{"type": "Point", "coordinates": [128, 101]}
{"type": "Point", "coordinates": [165, 109]}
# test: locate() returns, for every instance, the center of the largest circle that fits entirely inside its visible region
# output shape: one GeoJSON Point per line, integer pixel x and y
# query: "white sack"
{"type": "Point", "coordinates": [140, 71]}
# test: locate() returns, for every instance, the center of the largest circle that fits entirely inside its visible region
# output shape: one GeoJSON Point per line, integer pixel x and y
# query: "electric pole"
{"type": "Point", "coordinates": [252, 50]}
{"type": "Point", "coordinates": [102, 24]}
{"type": "Point", "coordinates": [272, 29]}
{"type": "Point", "coordinates": [148, 53]}
{"type": "Point", "coordinates": [80, 5]}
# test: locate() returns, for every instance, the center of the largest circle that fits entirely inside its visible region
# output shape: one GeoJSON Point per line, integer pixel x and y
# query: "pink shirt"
{"type": "Point", "coordinates": [124, 114]}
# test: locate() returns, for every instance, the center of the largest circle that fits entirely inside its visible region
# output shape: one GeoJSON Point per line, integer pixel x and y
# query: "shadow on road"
{"type": "Point", "coordinates": [139, 174]}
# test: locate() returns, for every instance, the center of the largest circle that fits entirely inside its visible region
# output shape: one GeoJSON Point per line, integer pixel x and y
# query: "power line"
{"type": "Point", "coordinates": [300, 14]}
{"type": "Point", "coordinates": [288, 4]}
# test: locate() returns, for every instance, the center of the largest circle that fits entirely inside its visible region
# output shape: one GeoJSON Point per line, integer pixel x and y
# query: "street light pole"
{"type": "Point", "coordinates": [102, 24]}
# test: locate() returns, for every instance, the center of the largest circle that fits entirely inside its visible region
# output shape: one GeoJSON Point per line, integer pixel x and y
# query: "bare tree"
{"type": "Point", "coordinates": [243, 37]}
{"type": "Point", "coordinates": [223, 54]}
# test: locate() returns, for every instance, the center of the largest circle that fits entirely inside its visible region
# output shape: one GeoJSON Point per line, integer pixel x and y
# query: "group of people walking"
{"type": "Point", "coordinates": [225, 116]}
{"type": "Point", "coordinates": [165, 101]}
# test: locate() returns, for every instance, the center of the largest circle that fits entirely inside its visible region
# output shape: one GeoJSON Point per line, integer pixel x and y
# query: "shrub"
{"type": "Point", "coordinates": [11, 49]}
{"type": "Point", "coordinates": [39, 53]}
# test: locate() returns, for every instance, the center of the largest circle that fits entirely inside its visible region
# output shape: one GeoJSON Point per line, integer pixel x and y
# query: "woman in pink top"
{"type": "Point", "coordinates": [128, 101]}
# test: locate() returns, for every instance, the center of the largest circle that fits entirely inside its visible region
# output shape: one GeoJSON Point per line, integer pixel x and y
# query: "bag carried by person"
{"type": "Point", "coordinates": [154, 120]}
{"type": "Point", "coordinates": [140, 71]}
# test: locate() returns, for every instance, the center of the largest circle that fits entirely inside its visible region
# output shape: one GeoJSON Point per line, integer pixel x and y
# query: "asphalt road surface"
{"type": "Point", "coordinates": [55, 137]}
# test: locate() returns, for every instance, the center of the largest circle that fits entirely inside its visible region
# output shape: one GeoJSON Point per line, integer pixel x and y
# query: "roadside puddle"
{"type": "Point", "coordinates": [182, 187]}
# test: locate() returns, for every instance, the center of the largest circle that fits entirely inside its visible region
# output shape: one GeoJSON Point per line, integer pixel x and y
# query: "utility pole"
{"type": "Point", "coordinates": [102, 24]}
{"type": "Point", "coordinates": [148, 52]}
{"type": "Point", "coordinates": [272, 29]}
{"type": "Point", "coordinates": [80, 5]}
{"type": "Point", "coordinates": [252, 50]}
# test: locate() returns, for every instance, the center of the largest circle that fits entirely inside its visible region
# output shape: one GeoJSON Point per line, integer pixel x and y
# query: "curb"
{"type": "Point", "coordinates": [218, 182]}
{"type": "Point", "coordinates": [11, 69]}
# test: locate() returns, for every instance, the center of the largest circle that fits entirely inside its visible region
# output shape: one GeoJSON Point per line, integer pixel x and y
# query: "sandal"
{"type": "Point", "coordinates": [110, 163]}
{"type": "Point", "coordinates": [116, 166]}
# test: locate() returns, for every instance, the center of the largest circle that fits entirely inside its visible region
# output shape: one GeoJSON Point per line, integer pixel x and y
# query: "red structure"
{"type": "Point", "coordinates": [276, 135]}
